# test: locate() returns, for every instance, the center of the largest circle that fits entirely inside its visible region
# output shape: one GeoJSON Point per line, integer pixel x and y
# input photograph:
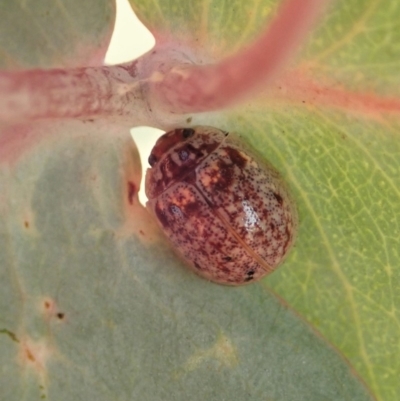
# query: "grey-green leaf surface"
{"type": "Point", "coordinates": [94, 306]}
{"type": "Point", "coordinates": [48, 33]}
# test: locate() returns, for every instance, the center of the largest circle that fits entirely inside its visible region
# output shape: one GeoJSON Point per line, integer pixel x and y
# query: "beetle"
{"type": "Point", "coordinates": [227, 212]}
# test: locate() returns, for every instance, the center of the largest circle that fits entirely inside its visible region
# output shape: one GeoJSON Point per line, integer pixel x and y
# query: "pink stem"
{"type": "Point", "coordinates": [160, 86]}
{"type": "Point", "coordinates": [72, 93]}
{"type": "Point", "coordinates": [211, 87]}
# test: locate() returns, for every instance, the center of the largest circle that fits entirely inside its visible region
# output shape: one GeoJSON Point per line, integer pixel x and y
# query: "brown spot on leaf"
{"type": "Point", "coordinates": [34, 354]}
{"type": "Point", "coordinates": [10, 334]}
{"type": "Point", "coordinates": [29, 355]}
{"type": "Point", "coordinates": [49, 307]}
{"type": "Point", "coordinates": [51, 310]}
{"type": "Point", "coordinates": [131, 192]}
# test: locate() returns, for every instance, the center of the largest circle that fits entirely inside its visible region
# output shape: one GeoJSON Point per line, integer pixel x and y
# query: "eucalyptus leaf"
{"type": "Point", "coordinates": [94, 305]}
{"type": "Point", "coordinates": [47, 33]}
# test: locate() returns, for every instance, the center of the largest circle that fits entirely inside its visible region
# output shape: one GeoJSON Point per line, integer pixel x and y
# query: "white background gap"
{"type": "Point", "coordinates": [130, 40]}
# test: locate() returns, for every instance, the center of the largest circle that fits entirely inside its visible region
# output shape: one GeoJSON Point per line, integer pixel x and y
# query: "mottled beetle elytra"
{"type": "Point", "coordinates": [227, 212]}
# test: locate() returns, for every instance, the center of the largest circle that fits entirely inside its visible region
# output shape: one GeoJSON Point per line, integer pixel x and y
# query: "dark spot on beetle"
{"type": "Point", "coordinates": [172, 172]}
{"type": "Point", "coordinates": [141, 232]}
{"type": "Point", "coordinates": [169, 169]}
{"type": "Point", "coordinates": [183, 155]}
{"type": "Point", "coordinates": [278, 198]}
{"type": "Point", "coordinates": [26, 224]}
{"type": "Point", "coordinates": [188, 132]}
{"type": "Point", "coordinates": [237, 198]}
{"type": "Point", "coordinates": [265, 215]}
{"type": "Point", "coordinates": [192, 208]}
{"type": "Point", "coordinates": [272, 226]}
{"type": "Point", "coordinates": [189, 156]}
{"type": "Point", "coordinates": [152, 159]}
{"type": "Point", "coordinates": [167, 142]}
{"type": "Point", "coordinates": [161, 215]}
{"type": "Point", "coordinates": [191, 178]}
{"type": "Point", "coordinates": [249, 275]}
{"type": "Point", "coordinates": [190, 149]}
{"type": "Point", "coordinates": [176, 211]}
{"type": "Point", "coordinates": [227, 258]}
{"type": "Point", "coordinates": [131, 192]}
{"type": "Point", "coordinates": [236, 157]}
{"type": "Point", "coordinates": [60, 315]}
{"type": "Point", "coordinates": [225, 174]}
{"type": "Point", "coordinates": [197, 266]}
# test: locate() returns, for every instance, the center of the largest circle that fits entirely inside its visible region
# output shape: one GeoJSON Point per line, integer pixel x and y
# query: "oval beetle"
{"type": "Point", "coordinates": [227, 212]}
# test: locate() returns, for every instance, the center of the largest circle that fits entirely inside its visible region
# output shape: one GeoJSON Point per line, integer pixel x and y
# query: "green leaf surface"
{"type": "Point", "coordinates": [94, 306]}
{"type": "Point", "coordinates": [219, 27]}
{"type": "Point", "coordinates": [344, 271]}
{"type": "Point", "coordinates": [358, 46]}
{"type": "Point", "coordinates": [48, 33]}
{"type": "Point", "coordinates": [332, 130]}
